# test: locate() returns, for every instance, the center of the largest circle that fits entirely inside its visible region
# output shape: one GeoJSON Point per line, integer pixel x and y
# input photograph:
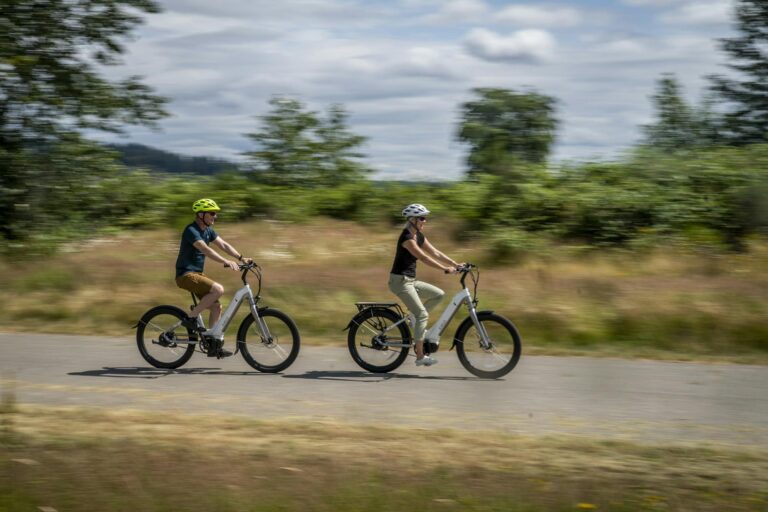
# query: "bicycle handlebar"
{"type": "Point", "coordinates": [243, 266]}
{"type": "Point", "coordinates": [463, 269]}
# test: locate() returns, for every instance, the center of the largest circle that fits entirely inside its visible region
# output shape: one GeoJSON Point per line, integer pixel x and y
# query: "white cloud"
{"type": "Point", "coordinates": [712, 12]}
{"type": "Point", "coordinates": [401, 69]}
{"type": "Point", "coordinates": [425, 61]}
{"type": "Point", "coordinates": [652, 3]}
{"type": "Point", "coordinates": [530, 45]}
{"type": "Point", "coordinates": [458, 11]}
{"type": "Point", "coordinates": [528, 15]}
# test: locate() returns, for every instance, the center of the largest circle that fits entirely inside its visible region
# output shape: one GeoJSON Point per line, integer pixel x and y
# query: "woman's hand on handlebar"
{"type": "Point", "coordinates": [461, 267]}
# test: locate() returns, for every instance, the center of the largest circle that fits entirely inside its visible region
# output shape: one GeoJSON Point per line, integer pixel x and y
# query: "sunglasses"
{"type": "Point", "coordinates": [212, 214]}
{"type": "Point", "coordinates": [422, 219]}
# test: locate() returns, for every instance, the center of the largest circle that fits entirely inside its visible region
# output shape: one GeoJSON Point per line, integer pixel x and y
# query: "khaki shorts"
{"type": "Point", "coordinates": [195, 282]}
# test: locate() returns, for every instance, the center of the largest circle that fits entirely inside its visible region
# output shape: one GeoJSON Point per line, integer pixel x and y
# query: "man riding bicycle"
{"type": "Point", "coordinates": [195, 246]}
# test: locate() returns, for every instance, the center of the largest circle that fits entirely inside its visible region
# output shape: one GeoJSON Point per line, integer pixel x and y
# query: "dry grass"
{"type": "Point", "coordinates": [677, 304]}
{"type": "Point", "coordinates": [82, 459]}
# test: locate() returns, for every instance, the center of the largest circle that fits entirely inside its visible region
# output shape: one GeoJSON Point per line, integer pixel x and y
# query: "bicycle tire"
{"type": "Point", "coordinates": [493, 363]}
{"type": "Point", "coordinates": [155, 322]}
{"type": "Point", "coordinates": [269, 356]}
{"type": "Point", "coordinates": [364, 328]}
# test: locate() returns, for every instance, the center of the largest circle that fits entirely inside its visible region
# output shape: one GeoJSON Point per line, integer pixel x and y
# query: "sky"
{"type": "Point", "coordinates": [402, 69]}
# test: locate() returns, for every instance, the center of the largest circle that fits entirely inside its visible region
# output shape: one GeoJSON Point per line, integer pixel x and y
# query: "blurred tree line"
{"type": "Point", "coordinates": [700, 174]}
{"type": "Point", "coordinates": [138, 155]}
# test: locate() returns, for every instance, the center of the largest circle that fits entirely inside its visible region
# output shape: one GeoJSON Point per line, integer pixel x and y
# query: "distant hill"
{"type": "Point", "coordinates": [138, 155]}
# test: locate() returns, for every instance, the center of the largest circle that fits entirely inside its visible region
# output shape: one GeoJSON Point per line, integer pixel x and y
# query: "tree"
{"type": "Point", "coordinates": [296, 147]}
{"type": "Point", "coordinates": [50, 85]}
{"type": "Point", "coordinates": [746, 99]}
{"type": "Point", "coordinates": [338, 153]}
{"type": "Point", "coordinates": [505, 128]}
{"type": "Point", "coordinates": [678, 125]}
{"type": "Point", "coordinates": [50, 89]}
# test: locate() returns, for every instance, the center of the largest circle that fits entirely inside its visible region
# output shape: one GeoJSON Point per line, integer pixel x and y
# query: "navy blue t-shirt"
{"type": "Point", "coordinates": [190, 258]}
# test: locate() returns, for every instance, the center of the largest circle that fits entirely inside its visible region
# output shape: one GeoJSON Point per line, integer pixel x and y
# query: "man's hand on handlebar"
{"type": "Point", "coordinates": [239, 265]}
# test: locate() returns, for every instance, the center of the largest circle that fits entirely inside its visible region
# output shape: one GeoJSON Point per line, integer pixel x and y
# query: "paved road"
{"type": "Point", "coordinates": [609, 398]}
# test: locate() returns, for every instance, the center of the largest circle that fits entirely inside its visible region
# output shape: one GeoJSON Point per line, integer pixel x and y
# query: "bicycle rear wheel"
{"type": "Point", "coordinates": [369, 330]}
{"type": "Point", "coordinates": [276, 353]}
{"type": "Point", "coordinates": [158, 344]}
{"type": "Point", "coordinates": [497, 360]}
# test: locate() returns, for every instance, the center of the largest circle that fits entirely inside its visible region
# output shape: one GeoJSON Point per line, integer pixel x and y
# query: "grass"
{"type": "Point", "coordinates": [86, 459]}
{"type": "Point", "coordinates": [679, 304]}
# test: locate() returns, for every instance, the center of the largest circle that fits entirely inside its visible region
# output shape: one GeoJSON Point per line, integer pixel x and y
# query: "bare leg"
{"type": "Point", "coordinates": [215, 314]}
{"type": "Point", "coordinates": [419, 349]}
{"type": "Point", "coordinates": [210, 300]}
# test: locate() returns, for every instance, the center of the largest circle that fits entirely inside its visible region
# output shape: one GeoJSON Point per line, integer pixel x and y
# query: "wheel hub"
{"type": "Point", "coordinates": [166, 339]}
{"type": "Point", "coordinates": [378, 342]}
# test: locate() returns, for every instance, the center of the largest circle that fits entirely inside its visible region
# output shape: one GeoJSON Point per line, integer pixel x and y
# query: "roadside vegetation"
{"type": "Point", "coordinates": [680, 303]}
{"type": "Point", "coordinates": [81, 459]}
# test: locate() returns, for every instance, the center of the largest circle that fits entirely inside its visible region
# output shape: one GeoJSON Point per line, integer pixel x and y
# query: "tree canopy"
{"type": "Point", "coordinates": [746, 95]}
{"type": "Point", "coordinates": [299, 147]}
{"type": "Point", "coordinates": [51, 88]}
{"type": "Point", "coordinates": [49, 80]}
{"type": "Point", "coordinates": [505, 128]}
{"type": "Point", "coordinates": [678, 125]}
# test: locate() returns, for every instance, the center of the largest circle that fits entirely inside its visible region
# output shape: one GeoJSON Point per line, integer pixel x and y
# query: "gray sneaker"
{"type": "Point", "coordinates": [426, 361]}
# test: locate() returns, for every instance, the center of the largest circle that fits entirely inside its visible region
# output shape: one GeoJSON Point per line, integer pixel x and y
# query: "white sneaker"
{"type": "Point", "coordinates": [426, 361]}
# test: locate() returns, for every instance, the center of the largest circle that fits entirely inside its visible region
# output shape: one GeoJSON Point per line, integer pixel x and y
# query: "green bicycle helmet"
{"type": "Point", "coordinates": [205, 205]}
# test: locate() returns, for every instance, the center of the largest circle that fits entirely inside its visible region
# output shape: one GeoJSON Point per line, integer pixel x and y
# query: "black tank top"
{"type": "Point", "coordinates": [405, 262]}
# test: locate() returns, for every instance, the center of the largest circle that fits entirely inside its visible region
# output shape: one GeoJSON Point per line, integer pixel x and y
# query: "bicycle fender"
{"type": "Point", "coordinates": [358, 317]}
{"type": "Point", "coordinates": [467, 320]}
{"type": "Point", "coordinates": [354, 320]}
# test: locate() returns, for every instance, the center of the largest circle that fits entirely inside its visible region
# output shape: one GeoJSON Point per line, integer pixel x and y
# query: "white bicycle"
{"type": "Point", "coordinates": [488, 345]}
{"type": "Point", "coordinates": [267, 338]}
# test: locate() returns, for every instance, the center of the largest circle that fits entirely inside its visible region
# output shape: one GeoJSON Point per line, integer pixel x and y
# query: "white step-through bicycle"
{"type": "Point", "coordinates": [267, 338]}
{"type": "Point", "coordinates": [488, 345]}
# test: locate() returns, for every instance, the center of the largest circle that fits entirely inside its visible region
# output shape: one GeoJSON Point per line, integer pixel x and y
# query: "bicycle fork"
{"type": "Point", "coordinates": [266, 337]}
{"type": "Point", "coordinates": [485, 340]}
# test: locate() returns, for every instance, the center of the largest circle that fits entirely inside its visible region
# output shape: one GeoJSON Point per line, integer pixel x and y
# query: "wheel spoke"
{"type": "Point", "coordinates": [265, 355]}
{"type": "Point", "coordinates": [158, 346]}
{"type": "Point", "coordinates": [367, 340]}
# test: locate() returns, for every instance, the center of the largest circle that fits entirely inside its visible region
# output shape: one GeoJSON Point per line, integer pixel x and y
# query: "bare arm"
{"type": "Point", "coordinates": [202, 247]}
{"type": "Point", "coordinates": [227, 248]}
{"type": "Point", "coordinates": [412, 247]}
{"type": "Point", "coordinates": [439, 256]}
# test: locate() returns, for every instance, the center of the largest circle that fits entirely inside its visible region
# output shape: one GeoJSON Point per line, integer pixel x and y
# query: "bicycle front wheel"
{"type": "Point", "coordinates": [159, 344]}
{"type": "Point", "coordinates": [496, 360]}
{"type": "Point", "coordinates": [275, 352]}
{"type": "Point", "coordinates": [369, 333]}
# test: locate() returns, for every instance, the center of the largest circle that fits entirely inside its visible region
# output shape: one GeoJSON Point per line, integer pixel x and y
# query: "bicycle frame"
{"type": "Point", "coordinates": [217, 330]}
{"type": "Point", "coordinates": [434, 333]}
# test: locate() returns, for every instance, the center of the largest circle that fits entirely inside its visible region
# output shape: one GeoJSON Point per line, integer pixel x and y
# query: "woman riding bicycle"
{"type": "Point", "coordinates": [418, 296]}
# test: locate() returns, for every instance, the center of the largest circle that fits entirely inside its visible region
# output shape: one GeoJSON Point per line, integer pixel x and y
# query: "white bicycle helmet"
{"type": "Point", "coordinates": [415, 210]}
